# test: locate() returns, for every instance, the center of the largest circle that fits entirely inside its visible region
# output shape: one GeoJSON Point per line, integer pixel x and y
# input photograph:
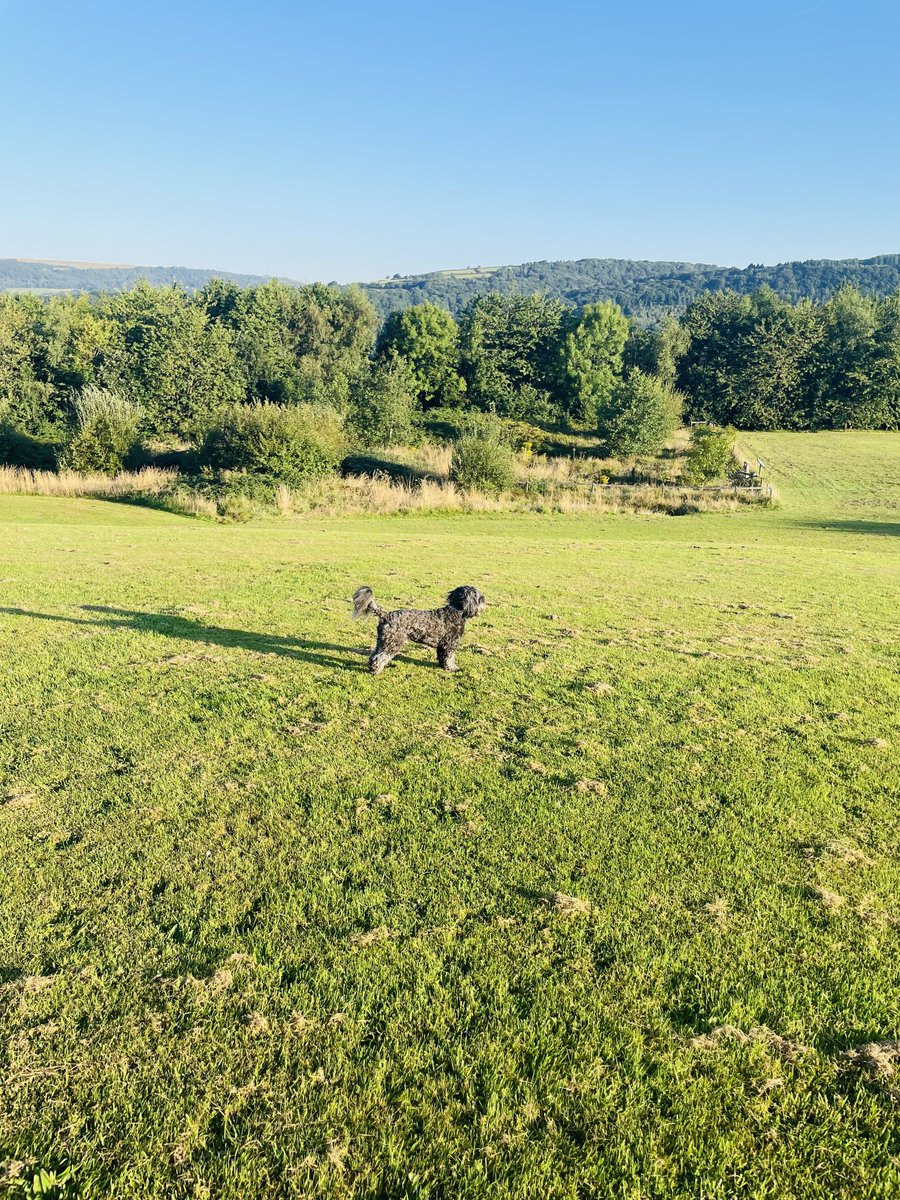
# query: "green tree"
{"type": "Point", "coordinates": [639, 416]}
{"type": "Point", "coordinates": [426, 337]}
{"type": "Point", "coordinates": [856, 363]}
{"type": "Point", "coordinates": [179, 367]}
{"type": "Point", "coordinates": [83, 345]}
{"type": "Point", "coordinates": [385, 410]}
{"type": "Point", "coordinates": [710, 455]}
{"type": "Point", "coordinates": [749, 360]}
{"type": "Point", "coordinates": [510, 355]}
{"type": "Point", "coordinates": [592, 359]}
{"type": "Point", "coordinates": [304, 345]}
{"type": "Point", "coordinates": [27, 399]}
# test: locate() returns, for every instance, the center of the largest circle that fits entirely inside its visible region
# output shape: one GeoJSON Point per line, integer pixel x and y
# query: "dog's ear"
{"type": "Point", "coordinates": [467, 600]}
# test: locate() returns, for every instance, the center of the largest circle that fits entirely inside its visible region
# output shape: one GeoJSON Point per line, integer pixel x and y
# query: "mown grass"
{"type": "Point", "coordinates": [271, 927]}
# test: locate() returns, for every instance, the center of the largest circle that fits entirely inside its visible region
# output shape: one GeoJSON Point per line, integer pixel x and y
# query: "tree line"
{"type": "Point", "coordinates": [754, 361]}
{"type": "Point", "coordinates": [647, 291]}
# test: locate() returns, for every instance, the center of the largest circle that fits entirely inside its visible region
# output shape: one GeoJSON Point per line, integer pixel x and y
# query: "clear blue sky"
{"type": "Point", "coordinates": [352, 140]}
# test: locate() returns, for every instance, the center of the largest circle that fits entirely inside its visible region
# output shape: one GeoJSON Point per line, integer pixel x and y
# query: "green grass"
{"type": "Point", "coordinates": [270, 927]}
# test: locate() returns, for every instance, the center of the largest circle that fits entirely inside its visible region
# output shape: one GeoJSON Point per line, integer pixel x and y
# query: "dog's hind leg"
{"type": "Point", "coordinates": [385, 649]}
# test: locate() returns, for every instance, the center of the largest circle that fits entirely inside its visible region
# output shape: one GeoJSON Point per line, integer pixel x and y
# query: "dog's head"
{"type": "Point", "coordinates": [467, 600]}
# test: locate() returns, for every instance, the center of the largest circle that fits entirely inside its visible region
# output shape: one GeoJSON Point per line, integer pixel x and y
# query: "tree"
{"type": "Point", "coordinates": [83, 345]}
{"type": "Point", "coordinates": [385, 410]}
{"type": "Point", "coordinates": [710, 455]}
{"type": "Point", "coordinates": [26, 398]}
{"type": "Point", "coordinates": [179, 367]}
{"type": "Point", "coordinates": [748, 360]}
{"type": "Point", "coordinates": [303, 345]}
{"type": "Point", "coordinates": [592, 359]}
{"type": "Point", "coordinates": [426, 337]}
{"type": "Point", "coordinates": [639, 416]}
{"type": "Point", "coordinates": [510, 355]}
{"type": "Point", "coordinates": [850, 370]}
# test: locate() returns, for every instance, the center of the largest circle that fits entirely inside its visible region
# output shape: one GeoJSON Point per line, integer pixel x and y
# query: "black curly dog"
{"type": "Point", "coordinates": [441, 628]}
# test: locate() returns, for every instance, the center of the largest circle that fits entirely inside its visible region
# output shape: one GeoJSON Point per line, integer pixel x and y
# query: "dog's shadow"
{"type": "Point", "coordinates": [325, 654]}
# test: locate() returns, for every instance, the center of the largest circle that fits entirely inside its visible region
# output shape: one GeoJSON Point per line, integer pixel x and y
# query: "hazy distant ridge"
{"type": "Point", "coordinates": [646, 290]}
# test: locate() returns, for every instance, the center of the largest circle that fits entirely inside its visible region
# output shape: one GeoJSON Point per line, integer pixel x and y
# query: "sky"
{"type": "Point", "coordinates": [349, 140]}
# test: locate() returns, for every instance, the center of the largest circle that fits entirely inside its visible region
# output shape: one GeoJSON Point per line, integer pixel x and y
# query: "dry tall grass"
{"type": "Point", "coordinates": [362, 494]}
{"type": "Point", "coordinates": [545, 485]}
{"type": "Point", "coordinates": [151, 481]}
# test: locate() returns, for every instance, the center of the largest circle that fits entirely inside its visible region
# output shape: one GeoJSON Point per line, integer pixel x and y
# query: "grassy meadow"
{"type": "Point", "coordinates": [608, 912]}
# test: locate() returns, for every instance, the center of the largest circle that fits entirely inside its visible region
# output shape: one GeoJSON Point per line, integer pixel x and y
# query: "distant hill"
{"type": "Point", "coordinates": [645, 290]}
{"type": "Point", "coordinates": [50, 275]}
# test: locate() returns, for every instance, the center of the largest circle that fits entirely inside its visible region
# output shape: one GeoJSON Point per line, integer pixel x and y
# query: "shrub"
{"type": "Point", "coordinates": [106, 431]}
{"type": "Point", "coordinates": [640, 416]}
{"type": "Point", "coordinates": [710, 455]}
{"type": "Point", "coordinates": [19, 449]}
{"type": "Point", "coordinates": [482, 459]}
{"type": "Point", "coordinates": [385, 410]}
{"type": "Point", "coordinates": [285, 443]}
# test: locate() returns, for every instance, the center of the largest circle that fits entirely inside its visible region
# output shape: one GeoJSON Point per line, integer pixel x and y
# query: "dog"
{"type": "Point", "coordinates": [440, 628]}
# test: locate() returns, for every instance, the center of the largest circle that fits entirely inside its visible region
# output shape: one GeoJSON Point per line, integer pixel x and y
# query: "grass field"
{"type": "Point", "coordinates": [271, 927]}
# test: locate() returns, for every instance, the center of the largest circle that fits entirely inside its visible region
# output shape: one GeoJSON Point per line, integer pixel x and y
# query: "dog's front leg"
{"type": "Point", "coordinates": [446, 657]}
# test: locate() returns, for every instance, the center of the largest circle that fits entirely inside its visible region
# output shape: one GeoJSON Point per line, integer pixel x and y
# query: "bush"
{"type": "Point", "coordinates": [289, 444]}
{"type": "Point", "coordinates": [19, 449]}
{"type": "Point", "coordinates": [640, 416]}
{"type": "Point", "coordinates": [710, 455]}
{"type": "Point", "coordinates": [482, 459]}
{"type": "Point", "coordinates": [385, 409]}
{"type": "Point", "coordinates": [106, 431]}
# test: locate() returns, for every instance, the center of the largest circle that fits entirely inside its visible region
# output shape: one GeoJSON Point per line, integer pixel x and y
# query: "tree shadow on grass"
{"type": "Point", "coordinates": [885, 528]}
{"type": "Point", "coordinates": [325, 654]}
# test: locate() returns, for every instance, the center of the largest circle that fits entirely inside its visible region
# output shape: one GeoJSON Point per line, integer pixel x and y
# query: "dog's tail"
{"type": "Point", "coordinates": [364, 605]}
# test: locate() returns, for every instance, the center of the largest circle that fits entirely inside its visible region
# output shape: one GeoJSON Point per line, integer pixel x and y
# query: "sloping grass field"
{"type": "Point", "coordinates": [609, 912]}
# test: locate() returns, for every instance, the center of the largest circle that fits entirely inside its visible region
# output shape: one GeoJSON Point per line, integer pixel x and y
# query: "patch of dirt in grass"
{"type": "Point", "coordinates": [567, 906]}
{"type": "Point", "coordinates": [594, 787]}
{"type": "Point", "coordinates": [35, 983]}
{"type": "Point", "coordinates": [782, 1047]}
{"type": "Point", "coordinates": [371, 937]}
{"type": "Point", "coordinates": [880, 1058]}
{"type": "Point", "coordinates": [13, 1169]}
{"type": "Point", "coordinates": [538, 767]}
{"type": "Point", "coordinates": [829, 900]}
{"type": "Point", "coordinates": [767, 1085]}
{"type": "Point", "coordinates": [851, 856]}
{"type": "Point", "coordinates": [718, 910]}
{"type": "Point", "coordinates": [600, 688]}
{"type": "Point", "coordinates": [871, 910]}
{"type": "Point", "coordinates": [838, 852]}
{"type": "Point", "coordinates": [18, 798]}
{"type": "Point", "coordinates": [220, 981]}
{"type": "Point", "coordinates": [258, 1024]}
